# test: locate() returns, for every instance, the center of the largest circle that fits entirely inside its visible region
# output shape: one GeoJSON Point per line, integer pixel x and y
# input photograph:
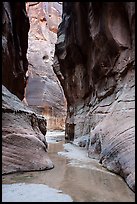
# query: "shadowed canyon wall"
{"type": "Point", "coordinates": [95, 63]}
{"type": "Point", "coordinates": [15, 27]}
{"type": "Point", "coordinates": [24, 147]}
{"type": "Point", "coordinates": [43, 91]}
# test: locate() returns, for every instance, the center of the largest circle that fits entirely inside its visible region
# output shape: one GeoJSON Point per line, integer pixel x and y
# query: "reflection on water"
{"type": "Point", "coordinates": [82, 184]}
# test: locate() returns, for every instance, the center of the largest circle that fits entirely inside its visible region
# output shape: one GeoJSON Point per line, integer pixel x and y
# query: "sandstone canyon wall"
{"type": "Point", "coordinates": [24, 147]}
{"type": "Point", "coordinates": [95, 63]}
{"type": "Point", "coordinates": [43, 91]}
{"type": "Point", "coordinates": [15, 27]}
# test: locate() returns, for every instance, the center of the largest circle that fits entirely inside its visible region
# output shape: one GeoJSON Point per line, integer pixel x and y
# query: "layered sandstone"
{"type": "Point", "coordinates": [43, 90]}
{"type": "Point", "coordinates": [24, 147]}
{"type": "Point", "coordinates": [95, 63]}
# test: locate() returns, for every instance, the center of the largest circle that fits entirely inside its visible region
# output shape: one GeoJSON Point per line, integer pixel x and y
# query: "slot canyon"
{"type": "Point", "coordinates": [68, 101]}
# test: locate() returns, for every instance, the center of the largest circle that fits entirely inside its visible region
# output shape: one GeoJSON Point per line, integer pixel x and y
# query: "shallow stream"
{"type": "Point", "coordinates": [75, 177]}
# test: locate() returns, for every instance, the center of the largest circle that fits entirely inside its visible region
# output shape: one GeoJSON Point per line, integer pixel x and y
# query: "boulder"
{"type": "Point", "coordinates": [24, 147]}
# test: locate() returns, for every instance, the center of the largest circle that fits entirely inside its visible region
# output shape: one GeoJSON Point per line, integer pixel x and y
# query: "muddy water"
{"type": "Point", "coordinates": [84, 180]}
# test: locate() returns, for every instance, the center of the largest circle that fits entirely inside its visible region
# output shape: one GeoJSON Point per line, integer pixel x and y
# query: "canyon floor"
{"type": "Point", "coordinates": [74, 178]}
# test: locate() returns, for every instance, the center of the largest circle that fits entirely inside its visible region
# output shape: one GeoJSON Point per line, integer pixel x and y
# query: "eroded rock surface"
{"type": "Point", "coordinates": [43, 90]}
{"type": "Point", "coordinates": [95, 63]}
{"type": "Point", "coordinates": [15, 27]}
{"type": "Point", "coordinates": [24, 147]}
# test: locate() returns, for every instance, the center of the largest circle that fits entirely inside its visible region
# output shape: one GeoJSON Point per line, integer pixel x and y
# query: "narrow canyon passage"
{"type": "Point", "coordinates": [68, 102]}
{"type": "Point", "coordinates": [43, 91]}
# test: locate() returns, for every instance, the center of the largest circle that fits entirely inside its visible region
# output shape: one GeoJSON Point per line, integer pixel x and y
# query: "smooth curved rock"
{"type": "Point", "coordinates": [95, 63]}
{"type": "Point", "coordinates": [24, 147]}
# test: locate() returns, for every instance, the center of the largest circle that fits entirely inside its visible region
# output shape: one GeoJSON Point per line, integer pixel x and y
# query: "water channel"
{"type": "Point", "coordinates": [75, 175]}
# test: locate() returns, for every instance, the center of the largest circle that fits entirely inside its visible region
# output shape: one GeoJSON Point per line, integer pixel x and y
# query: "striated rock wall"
{"type": "Point", "coordinates": [24, 147]}
{"type": "Point", "coordinates": [43, 90]}
{"type": "Point", "coordinates": [15, 27]}
{"type": "Point", "coordinates": [95, 63]}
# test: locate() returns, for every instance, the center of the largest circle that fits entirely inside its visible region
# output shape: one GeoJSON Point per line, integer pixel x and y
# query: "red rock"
{"type": "Point", "coordinates": [43, 90]}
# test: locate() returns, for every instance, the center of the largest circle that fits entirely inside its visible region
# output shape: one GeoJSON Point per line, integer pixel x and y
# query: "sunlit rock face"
{"type": "Point", "coordinates": [95, 63]}
{"type": "Point", "coordinates": [15, 27]}
{"type": "Point", "coordinates": [53, 13]}
{"type": "Point", "coordinates": [43, 90]}
{"type": "Point", "coordinates": [24, 147]}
